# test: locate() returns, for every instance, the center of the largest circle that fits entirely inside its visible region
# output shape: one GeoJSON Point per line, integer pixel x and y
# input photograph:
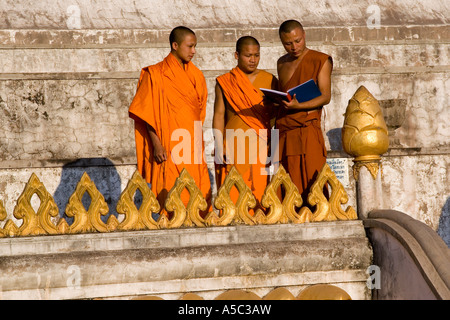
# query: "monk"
{"type": "Point", "coordinates": [302, 146]}
{"type": "Point", "coordinates": [242, 118]}
{"type": "Point", "coordinates": [169, 106]}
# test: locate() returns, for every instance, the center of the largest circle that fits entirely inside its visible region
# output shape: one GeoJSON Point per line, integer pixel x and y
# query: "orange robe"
{"type": "Point", "coordinates": [246, 109]}
{"type": "Point", "coordinates": [168, 98]}
{"type": "Point", "coordinates": [302, 146]}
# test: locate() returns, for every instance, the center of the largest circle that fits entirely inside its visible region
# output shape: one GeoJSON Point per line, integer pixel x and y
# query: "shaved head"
{"type": "Point", "coordinates": [245, 41]}
{"type": "Point", "coordinates": [178, 34]}
{"type": "Point", "coordinates": [289, 25]}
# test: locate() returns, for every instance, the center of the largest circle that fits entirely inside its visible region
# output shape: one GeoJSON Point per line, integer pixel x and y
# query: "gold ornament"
{"type": "Point", "coordinates": [284, 212]}
{"type": "Point", "coordinates": [137, 219]}
{"type": "Point", "coordinates": [364, 134]}
{"type": "Point", "coordinates": [43, 221]}
{"type": "Point", "coordinates": [233, 213]}
{"type": "Point", "coordinates": [88, 221]}
{"type": "Point", "coordinates": [183, 216]}
{"type": "Point", "coordinates": [323, 292]}
{"type": "Point", "coordinates": [329, 210]}
{"type": "Point", "coordinates": [36, 223]}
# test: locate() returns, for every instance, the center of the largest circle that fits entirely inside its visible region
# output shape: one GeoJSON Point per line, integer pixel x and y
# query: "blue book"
{"type": "Point", "coordinates": [303, 92]}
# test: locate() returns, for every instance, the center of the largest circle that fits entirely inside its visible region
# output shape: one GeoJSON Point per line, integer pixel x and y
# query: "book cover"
{"type": "Point", "coordinates": [303, 92]}
{"type": "Point", "coordinates": [274, 95]}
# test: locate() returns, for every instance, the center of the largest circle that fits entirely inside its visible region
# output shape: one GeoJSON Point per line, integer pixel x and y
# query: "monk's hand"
{"type": "Point", "coordinates": [291, 105]}
{"type": "Point", "coordinates": [159, 153]}
{"type": "Point", "coordinates": [219, 156]}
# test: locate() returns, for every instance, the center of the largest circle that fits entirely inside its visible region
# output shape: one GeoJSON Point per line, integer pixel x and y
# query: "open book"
{"type": "Point", "coordinates": [303, 92]}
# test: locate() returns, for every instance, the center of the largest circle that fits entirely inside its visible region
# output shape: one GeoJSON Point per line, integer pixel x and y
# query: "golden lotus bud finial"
{"type": "Point", "coordinates": [364, 134]}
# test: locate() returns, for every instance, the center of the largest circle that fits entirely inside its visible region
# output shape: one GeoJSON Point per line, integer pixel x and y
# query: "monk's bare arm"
{"type": "Point", "coordinates": [324, 83]}
{"type": "Point", "coordinates": [274, 84]}
{"type": "Point", "coordinates": [280, 63]}
{"type": "Point", "coordinates": [159, 153]}
{"type": "Point", "coordinates": [219, 121]}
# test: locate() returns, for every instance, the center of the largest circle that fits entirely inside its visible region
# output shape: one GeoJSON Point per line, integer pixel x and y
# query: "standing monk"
{"type": "Point", "coordinates": [170, 103]}
{"type": "Point", "coordinates": [243, 119]}
{"type": "Point", "coordinates": [302, 146]}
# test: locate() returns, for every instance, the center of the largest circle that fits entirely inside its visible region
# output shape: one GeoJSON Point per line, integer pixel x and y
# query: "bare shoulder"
{"type": "Point", "coordinates": [218, 88]}
{"type": "Point", "coordinates": [283, 59]}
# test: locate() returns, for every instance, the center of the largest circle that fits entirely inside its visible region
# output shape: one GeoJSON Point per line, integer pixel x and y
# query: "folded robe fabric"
{"type": "Point", "coordinates": [302, 146]}
{"type": "Point", "coordinates": [246, 100]}
{"type": "Point", "coordinates": [172, 100]}
{"type": "Point", "coordinates": [249, 111]}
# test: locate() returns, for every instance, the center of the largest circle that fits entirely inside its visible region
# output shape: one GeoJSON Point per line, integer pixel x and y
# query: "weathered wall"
{"type": "Point", "coordinates": [68, 72]}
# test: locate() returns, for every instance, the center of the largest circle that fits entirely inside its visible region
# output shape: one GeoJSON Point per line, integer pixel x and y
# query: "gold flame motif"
{"type": "Point", "coordinates": [284, 212]}
{"type": "Point", "coordinates": [190, 216]}
{"type": "Point", "coordinates": [36, 223]}
{"type": "Point", "coordinates": [2, 211]}
{"type": "Point", "coordinates": [90, 220]}
{"type": "Point", "coordinates": [233, 213]}
{"type": "Point", "coordinates": [47, 221]}
{"type": "Point", "coordinates": [329, 210]}
{"type": "Point", "coordinates": [137, 219]}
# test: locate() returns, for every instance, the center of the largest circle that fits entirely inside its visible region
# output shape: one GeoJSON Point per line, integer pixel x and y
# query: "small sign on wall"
{"type": "Point", "coordinates": [340, 169]}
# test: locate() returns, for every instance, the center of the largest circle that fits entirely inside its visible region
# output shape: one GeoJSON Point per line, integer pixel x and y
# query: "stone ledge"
{"type": "Point", "coordinates": [250, 257]}
{"type": "Point", "coordinates": [145, 38]}
{"type": "Point", "coordinates": [134, 75]}
{"type": "Point", "coordinates": [103, 60]}
{"type": "Point", "coordinates": [67, 163]}
{"type": "Point", "coordinates": [179, 238]}
{"type": "Point", "coordinates": [353, 281]}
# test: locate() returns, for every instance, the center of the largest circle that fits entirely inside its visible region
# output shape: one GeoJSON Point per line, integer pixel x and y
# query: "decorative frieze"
{"type": "Point", "coordinates": [46, 220]}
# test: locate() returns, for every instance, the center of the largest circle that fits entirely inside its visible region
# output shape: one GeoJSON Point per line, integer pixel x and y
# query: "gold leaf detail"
{"type": "Point", "coordinates": [10, 229]}
{"type": "Point", "coordinates": [284, 212]}
{"type": "Point", "coordinates": [87, 221]}
{"type": "Point", "coordinates": [372, 166]}
{"type": "Point", "coordinates": [329, 210]}
{"type": "Point", "coordinates": [62, 226]}
{"type": "Point", "coordinates": [2, 211]}
{"type": "Point", "coordinates": [233, 213]}
{"type": "Point", "coordinates": [3, 216]}
{"type": "Point", "coordinates": [183, 216]}
{"type": "Point", "coordinates": [137, 219]}
{"type": "Point", "coordinates": [36, 223]}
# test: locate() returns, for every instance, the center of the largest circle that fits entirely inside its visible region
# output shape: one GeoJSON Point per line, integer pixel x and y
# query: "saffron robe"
{"type": "Point", "coordinates": [246, 110]}
{"type": "Point", "coordinates": [301, 145]}
{"type": "Point", "coordinates": [172, 100]}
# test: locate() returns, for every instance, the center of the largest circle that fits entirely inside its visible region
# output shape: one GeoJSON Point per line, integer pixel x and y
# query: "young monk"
{"type": "Point", "coordinates": [302, 146]}
{"type": "Point", "coordinates": [169, 105]}
{"type": "Point", "coordinates": [240, 113]}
